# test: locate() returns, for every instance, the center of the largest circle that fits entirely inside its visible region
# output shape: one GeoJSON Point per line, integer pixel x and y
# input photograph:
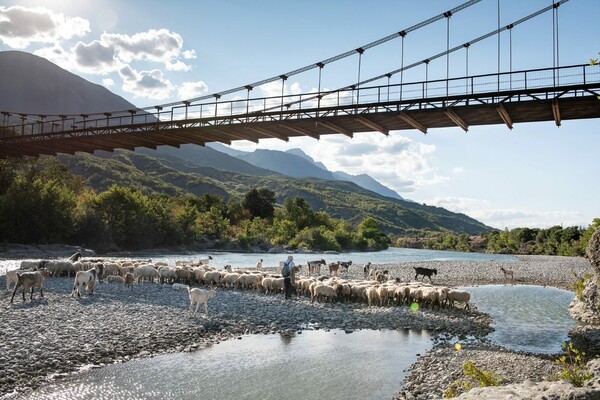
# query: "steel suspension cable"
{"type": "Point", "coordinates": [442, 54]}
{"type": "Point", "coordinates": [479, 39]}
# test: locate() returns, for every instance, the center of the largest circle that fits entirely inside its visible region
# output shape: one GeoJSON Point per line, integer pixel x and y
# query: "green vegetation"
{"type": "Point", "coordinates": [44, 202]}
{"type": "Point", "coordinates": [573, 366]}
{"type": "Point", "coordinates": [580, 283]}
{"type": "Point", "coordinates": [476, 377]}
{"type": "Point", "coordinates": [569, 241]}
{"type": "Point", "coordinates": [175, 176]}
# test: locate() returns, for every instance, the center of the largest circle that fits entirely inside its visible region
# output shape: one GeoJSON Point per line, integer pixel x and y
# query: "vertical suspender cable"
{"type": "Point", "coordinates": [447, 15]}
{"type": "Point", "coordinates": [360, 51]}
{"type": "Point", "coordinates": [320, 65]}
{"type": "Point", "coordinates": [554, 43]}
{"type": "Point", "coordinates": [510, 54]}
{"type": "Point", "coordinates": [557, 48]}
{"type": "Point", "coordinates": [467, 45]}
{"type": "Point", "coordinates": [426, 77]}
{"type": "Point", "coordinates": [403, 34]}
{"type": "Point", "coordinates": [498, 45]}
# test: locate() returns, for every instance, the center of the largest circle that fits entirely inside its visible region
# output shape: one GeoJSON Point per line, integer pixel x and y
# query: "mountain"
{"type": "Point", "coordinates": [296, 163]}
{"type": "Point", "coordinates": [302, 154]}
{"type": "Point", "coordinates": [286, 163]}
{"type": "Point", "coordinates": [366, 182]}
{"type": "Point", "coordinates": [191, 155]}
{"type": "Point", "coordinates": [34, 85]}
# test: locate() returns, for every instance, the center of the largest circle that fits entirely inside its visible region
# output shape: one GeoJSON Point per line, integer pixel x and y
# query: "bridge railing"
{"type": "Point", "coordinates": [311, 105]}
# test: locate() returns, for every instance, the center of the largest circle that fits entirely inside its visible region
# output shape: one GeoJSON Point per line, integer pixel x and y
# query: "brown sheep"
{"type": "Point", "coordinates": [31, 280]}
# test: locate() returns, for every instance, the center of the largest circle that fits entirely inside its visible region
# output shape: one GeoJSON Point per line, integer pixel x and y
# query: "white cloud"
{"type": "Point", "coordinates": [189, 54]}
{"type": "Point", "coordinates": [22, 26]}
{"type": "Point", "coordinates": [95, 57]}
{"type": "Point", "coordinates": [509, 218]}
{"type": "Point", "coordinates": [149, 84]}
{"type": "Point", "coordinates": [190, 90]}
{"type": "Point", "coordinates": [458, 170]}
{"type": "Point", "coordinates": [157, 45]}
{"type": "Point", "coordinates": [108, 82]}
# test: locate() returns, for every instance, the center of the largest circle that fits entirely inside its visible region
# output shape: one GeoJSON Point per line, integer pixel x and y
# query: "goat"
{"type": "Point", "coordinates": [31, 280]}
{"type": "Point", "coordinates": [334, 269]}
{"type": "Point", "coordinates": [12, 276]}
{"type": "Point", "coordinates": [75, 257]}
{"type": "Point", "coordinates": [508, 273]}
{"type": "Point", "coordinates": [87, 278]}
{"type": "Point", "coordinates": [367, 269]}
{"type": "Point", "coordinates": [198, 296]}
{"type": "Point", "coordinates": [345, 265]}
{"type": "Point", "coordinates": [129, 280]}
{"type": "Point", "coordinates": [425, 272]}
{"type": "Point", "coordinates": [205, 261]}
{"type": "Point", "coordinates": [314, 267]}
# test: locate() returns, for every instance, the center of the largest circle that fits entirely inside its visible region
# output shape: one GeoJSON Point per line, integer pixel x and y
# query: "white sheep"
{"type": "Point", "coordinates": [212, 277]}
{"type": "Point", "coordinates": [372, 296]}
{"type": "Point", "coordinates": [115, 279]}
{"type": "Point", "coordinates": [146, 271]}
{"type": "Point", "coordinates": [459, 296]}
{"type": "Point", "coordinates": [277, 285]}
{"type": "Point", "coordinates": [167, 274]}
{"type": "Point", "coordinates": [198, 296]}
{"type": "Point", "coordinates": [324, 291]}
{"type": "Point", "coordinates": [179, 286]}
{"type": "Point", "coordinates": [87, 278]}
{"type": "Point", "coordinates": [250, 281]}
{"type": "Point", "coordinates": [230, 280]}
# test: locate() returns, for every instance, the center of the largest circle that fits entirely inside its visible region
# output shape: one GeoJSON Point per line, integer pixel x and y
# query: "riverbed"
{"type": "Point", "coordinates": [117, 325]}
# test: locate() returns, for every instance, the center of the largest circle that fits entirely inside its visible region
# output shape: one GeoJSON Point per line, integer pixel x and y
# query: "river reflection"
{"type": "Point", "coordinates": [364, 364]}
{"type": "Point", "coordinates": [527, 318]}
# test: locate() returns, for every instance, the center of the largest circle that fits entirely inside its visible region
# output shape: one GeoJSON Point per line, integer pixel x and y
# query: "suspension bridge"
{"type": "Point", "coordinates": [556, 93]}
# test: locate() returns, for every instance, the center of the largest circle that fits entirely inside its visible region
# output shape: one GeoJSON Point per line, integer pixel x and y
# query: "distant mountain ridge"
{"type": "Point", "coordinates": [34, 85]}
{"type": "Point", "coordinates": [297, 163]}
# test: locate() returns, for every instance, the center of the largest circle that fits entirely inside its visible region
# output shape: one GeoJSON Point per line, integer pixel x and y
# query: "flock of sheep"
{"type": "Point", "coordinates": [375, 289]}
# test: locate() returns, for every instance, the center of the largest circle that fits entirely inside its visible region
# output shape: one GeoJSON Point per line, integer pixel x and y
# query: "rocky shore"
{"type": "Point", "coordinates": [50, 337]}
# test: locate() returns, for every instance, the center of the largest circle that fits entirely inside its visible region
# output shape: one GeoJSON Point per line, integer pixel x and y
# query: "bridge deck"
{"type": "Point", "coordinates": [579, 100]}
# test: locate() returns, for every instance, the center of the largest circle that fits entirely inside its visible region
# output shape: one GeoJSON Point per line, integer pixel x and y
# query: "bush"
{"type": "Point", "coordinates": [579, 284]}
{"type": "Point", "coordinates": [476, 376]}
{"type": "Point", "coordinates": [573, 366]}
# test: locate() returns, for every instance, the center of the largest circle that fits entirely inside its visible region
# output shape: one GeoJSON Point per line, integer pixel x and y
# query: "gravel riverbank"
{"type": "Point", "coordinates": [47, 338]}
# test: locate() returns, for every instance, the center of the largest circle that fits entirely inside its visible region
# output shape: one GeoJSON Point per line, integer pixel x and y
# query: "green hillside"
{"type": "Point", "coordinates": [339, 199]}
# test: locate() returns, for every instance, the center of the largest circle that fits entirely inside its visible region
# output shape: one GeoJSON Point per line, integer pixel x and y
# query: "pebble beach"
{"type": "Point", "coordinates": [47, 338]}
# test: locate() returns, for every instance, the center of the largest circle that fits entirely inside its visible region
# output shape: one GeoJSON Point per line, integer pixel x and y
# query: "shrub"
{"type": "Point", "coordinates": [476, 376]}
{"type": "Point", "coordinates": [579, 284]}
{"type": "Point", "coordinates": [573, 366]}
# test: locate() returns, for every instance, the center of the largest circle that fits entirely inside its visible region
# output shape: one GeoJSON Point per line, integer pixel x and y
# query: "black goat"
{"type": "Point", "coordinates": [425, 272]}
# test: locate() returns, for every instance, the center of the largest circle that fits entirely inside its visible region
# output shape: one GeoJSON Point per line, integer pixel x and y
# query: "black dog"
{"type": "Point", "coordinates": [425, 272]}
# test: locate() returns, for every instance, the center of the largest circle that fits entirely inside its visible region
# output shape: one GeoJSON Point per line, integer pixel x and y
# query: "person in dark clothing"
{"type": "Point", "coordinates": [289, 282]}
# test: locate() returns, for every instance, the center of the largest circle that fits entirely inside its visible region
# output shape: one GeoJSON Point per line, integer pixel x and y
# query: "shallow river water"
{"type": "Point", "coordinates": [313, 365]}
{"type": "Point", "coordinates": [528, 318]}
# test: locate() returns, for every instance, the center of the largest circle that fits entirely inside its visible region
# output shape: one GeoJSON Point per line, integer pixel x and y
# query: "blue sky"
{"type": "Point", "coordinates": [155, 52]}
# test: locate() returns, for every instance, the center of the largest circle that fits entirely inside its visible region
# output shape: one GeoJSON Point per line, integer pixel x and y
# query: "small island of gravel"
{"type": "Point", "coordinates": [50, 337]}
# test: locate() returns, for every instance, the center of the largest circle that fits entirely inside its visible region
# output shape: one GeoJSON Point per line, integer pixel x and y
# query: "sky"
{"type": "Point", "coordinates": [155, 52]}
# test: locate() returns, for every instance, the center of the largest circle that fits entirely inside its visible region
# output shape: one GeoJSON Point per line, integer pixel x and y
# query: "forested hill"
{"type": "Point", "coordinates": [35, 85]}
{"type": "Point", "coordinates": [339, 199]}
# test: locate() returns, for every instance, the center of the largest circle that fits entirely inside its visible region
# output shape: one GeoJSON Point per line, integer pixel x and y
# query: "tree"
{"type": "Point", "coordinates": [260, 203]}
{"type": "Point", "coordinates": [299, 212]}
